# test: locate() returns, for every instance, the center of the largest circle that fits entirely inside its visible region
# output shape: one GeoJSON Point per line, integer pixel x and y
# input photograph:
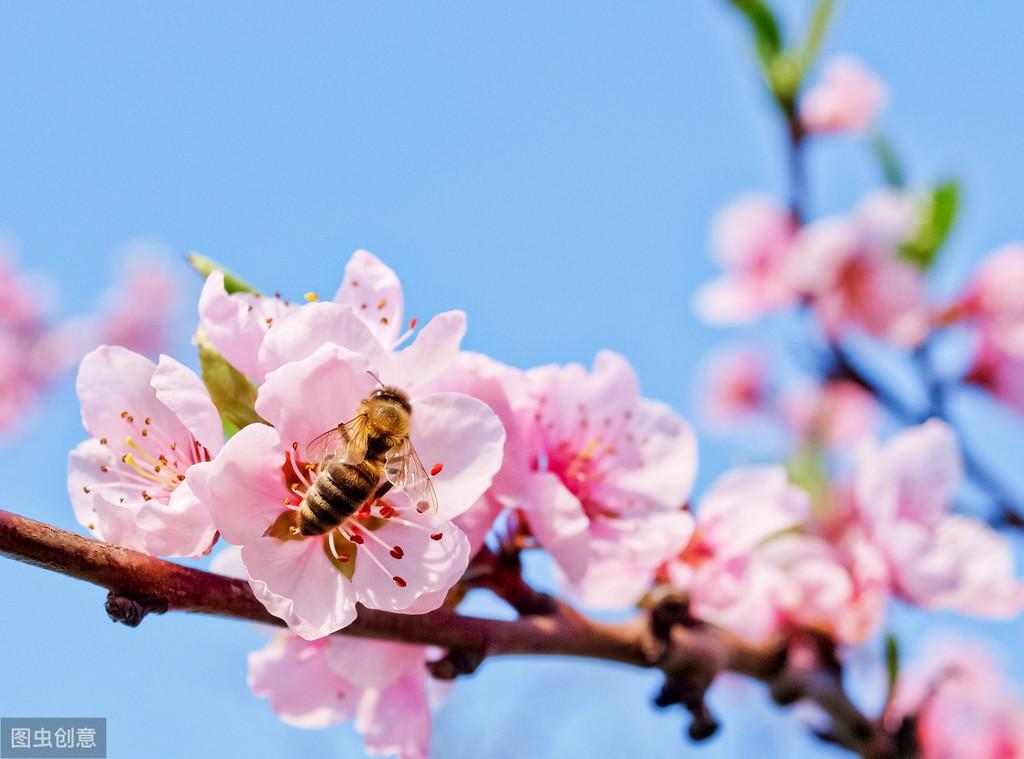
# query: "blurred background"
{"type": "Point", "coordinates": [550, 168]}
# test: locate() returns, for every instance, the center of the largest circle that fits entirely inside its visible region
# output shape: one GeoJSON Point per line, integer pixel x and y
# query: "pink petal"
{"type": "Point", "coordinates": [305, 398]}
{"type": "Point", "coordinates": [431, 353]}
{"type": "Point", "coordinates": [426, 566]}
{"type": "Point", "coordinates": [243, 488]}
{"type": "Point", "coordinates": [84, 464]}
{"type": "Point", "coordinates": [913, 476]}
{"type": "Point", "coordinates": [557, 520]}
{"type": "Point", "coordinates": [374, 293]}
{"type": "Point", "coordinates": [466, 439]}
{"type": "Point", "coordinates": [300, 333]}
{"type": "Point", "coordinates": [668, 466]}
{"type": "Point", "coordinates": [180, 527]}
{"type": "Point", "coordinates": [302, 688]}
{"type": "Point", "coordinates": [746, 506]}
{"type": "Point", "coordinates": [228, 562]}
{"type": "Point", "coordinates": [113, 380]}
{"type": "Point", "coordinates": [236, 323]}
{"type": "Point", "coordinates": [374, 663]}
{"type": "Point", "coordinates": [178, 388]}
{"type": "Point", "coordinates": [962, 564]}
{"type": "Point", "coordinates": [296, 582]}
{"type": "Point", "coordinates": [396, 719]}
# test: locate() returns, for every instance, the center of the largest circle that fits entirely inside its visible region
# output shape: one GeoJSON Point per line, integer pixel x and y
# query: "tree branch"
{"type": "Point", "coordinates": [140, 584]}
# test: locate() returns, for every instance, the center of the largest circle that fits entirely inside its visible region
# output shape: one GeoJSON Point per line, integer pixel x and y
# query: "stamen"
{"type": "Point", "coordinates": [311, 297]}
{"type": "Point", "coordinates": [436, 470]}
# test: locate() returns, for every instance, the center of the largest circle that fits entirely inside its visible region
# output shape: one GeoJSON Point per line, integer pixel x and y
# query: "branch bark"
{"type": "Point", "coordinates": [139, 584]}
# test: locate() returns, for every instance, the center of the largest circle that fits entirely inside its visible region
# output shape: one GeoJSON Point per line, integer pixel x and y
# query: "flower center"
{"type": "Point", "coordinates": [152, 461]}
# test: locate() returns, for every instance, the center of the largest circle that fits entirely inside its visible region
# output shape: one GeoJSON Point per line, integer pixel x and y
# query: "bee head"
{"type": "Point", "coordinates": [388, 411]}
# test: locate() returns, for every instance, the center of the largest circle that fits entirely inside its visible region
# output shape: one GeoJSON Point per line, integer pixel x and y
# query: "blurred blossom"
{"type": "Point", "coordinates": [751, 240]}
{"type": "Point", "coordinates": [996, 298]}
{"type": "Point", "coordinates": [847, 99]}
{"type": "Point", "coordinates": [851, 270]}
{"type": "Point", "coordinates": [838, 413]}
{"type": "Point", "coordinates": [32, 350]}
{"type": "Point", "coordinates": [904, 491]}
{"type": "Point", "coordinates": [999, 373]}
{"type": "Point", "coordinates": [609, 475]}
{"type": "Point", "coordinates": [137, 311]}
{"type": "Point", "coordinates": [735, 387]}
{"type": "Point", "coordinates": [383, 686]}
{"type": "Point", "coordinates": [959, 704]}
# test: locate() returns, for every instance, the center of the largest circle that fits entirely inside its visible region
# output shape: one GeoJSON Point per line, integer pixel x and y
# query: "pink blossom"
{"type": "Point", "coordinates": [962, 706]}
{"type": "Point", "coordinates": [751, 240]}
{"type": "Point", "coordinates": [608, 477]}
{"type": "Point", "coordinates": [994, 297]}
{"type": "Point", "coordinates": [835, 414]}
{"type": "Point", "coordinates": [32, 350]}
{"type": "Point", "coordinates": [365, 316]}
{"type": "Point", "coordinates": [236, 323]}
{"type": "Point", "coordinates": [1000, 373]}
{"type": "Point", "coordinates": [847, 99]}
{"type": "Point", "coordinates": [149, 425]}
{"type": "Point", "coordinates": [850, 269]}
{"type": "Point", "coordinates": [735, 388]}
{"type": "Point", "coordinates": [138, 308]}
{"type": "Point", "coordinates": [398, 557]}
{"type": "Point", "coordinates": [904, 491]}
{"type": "Point", "coordinates": [383, 686]}
{"type": "Point", "coordinates": [728, 584]}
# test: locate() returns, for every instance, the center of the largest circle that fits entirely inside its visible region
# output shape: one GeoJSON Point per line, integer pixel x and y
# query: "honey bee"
{"type": "Point", "coordinates": [356, 455]}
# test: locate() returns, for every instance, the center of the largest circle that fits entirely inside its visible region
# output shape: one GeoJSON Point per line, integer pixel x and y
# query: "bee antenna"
{"type": "Point", "coordinates": [373, 374]}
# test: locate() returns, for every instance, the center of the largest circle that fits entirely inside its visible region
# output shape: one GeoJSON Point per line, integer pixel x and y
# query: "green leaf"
{"type": "Point", "coordinates": [892, 659]}
{"type": "Point", "coordinates": [938, 213]}
{"type": "Point", "coordinates": [807, 471]}
{"type": "Point", "coordinates": [232, 393]}
{"type": "Point", "coordinates": [205, 266]}
{"type": "Point", "coordinates": [815, 35]}
{"type": "Point", "coordinates": [765, 28]}
{"type": "Point", "coordinates": [892, 171]}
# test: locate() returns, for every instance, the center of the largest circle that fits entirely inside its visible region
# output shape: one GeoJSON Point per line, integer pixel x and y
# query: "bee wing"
{"type": "Point", "coordinates": [405, 471]}
{"type": "Point", "coordinates": [347, 440]}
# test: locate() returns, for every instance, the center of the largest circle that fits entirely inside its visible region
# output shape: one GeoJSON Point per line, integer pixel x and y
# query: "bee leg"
{"type": "Point", "coordinates": [382, 490]}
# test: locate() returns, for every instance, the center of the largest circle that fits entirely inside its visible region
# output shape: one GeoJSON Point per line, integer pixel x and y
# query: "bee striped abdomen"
{"type": "Point", "coordinates": [338, 493]}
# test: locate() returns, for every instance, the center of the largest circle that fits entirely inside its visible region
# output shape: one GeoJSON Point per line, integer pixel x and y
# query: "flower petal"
{"type": "Point", "coordinates": [243, 488]}
{"type": "Point", "coordinates": [396, 719]}
{"type": "Point", "coordinates": [300, 333]}
{"type": "Point", "coordinates": [113, 380]}
{"type": "Point", "coordinates": [181, 390]}
{"type": "Point", "coordinates": [431, 353]}
{"type": "Point", "coordinates": [295, 581]}
{"type": "Point", "coordinates": [466, 438]}
{"type": "Point", "coordinates": [374, 663]}
{"type": "Point", "coordinates": [374, 293]}
{"type": "Point", "coordinates": [303, 690]}
{"type": "Point", "coordinates": [557, 520]}
{"type": "Point", "coordinates": [180, 527]}
{"type": "Point", "coordinates": [303, 399]}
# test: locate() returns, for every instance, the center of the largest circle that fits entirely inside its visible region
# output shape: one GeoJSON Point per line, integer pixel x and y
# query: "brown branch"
{"type": "Point", "coordinates": [688, 653]}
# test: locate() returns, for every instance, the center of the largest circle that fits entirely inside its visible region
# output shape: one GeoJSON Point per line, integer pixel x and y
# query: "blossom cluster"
{"type": "Point", "coordinates": [35, 349]}
{"type": "Point", "coordinates": [572, 461]}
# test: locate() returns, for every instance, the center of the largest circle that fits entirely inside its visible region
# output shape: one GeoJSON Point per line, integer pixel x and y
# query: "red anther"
{"type": "Point", "coordinates": [343, 558]}
{"type": "Point", "coordinates": [387, 512]}
{"type": "Point", "coordinates": [397, 552]}
{"type": "Point", "coordinates": [413, 322]}
{"type": "Point", "coordinates": [357, 538]}
{"type": "Point", "coordinates": [364, 511]}
{"type": "Point", "coordinates": [436, 470]}
{"type": "Point", "coordinates": [399, 581]}
{"type": "Point", "coordinates": [437, 536]}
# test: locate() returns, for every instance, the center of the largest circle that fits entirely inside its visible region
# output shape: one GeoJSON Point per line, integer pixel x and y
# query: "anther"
{"type": "Point", "coordinates": [399, 581]}
{"type": "Point", "coordinates": [437, 536]}
{"type": "Point", "coordinates": [397, 552]}
{"type": "Point", "coordinates": [311, 297]}
{"type": "Point", "coordinates": [436, 470]}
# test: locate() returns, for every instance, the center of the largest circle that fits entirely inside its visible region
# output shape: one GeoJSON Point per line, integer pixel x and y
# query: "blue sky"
{"type": "Point", "coordinates": [550, 168]}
